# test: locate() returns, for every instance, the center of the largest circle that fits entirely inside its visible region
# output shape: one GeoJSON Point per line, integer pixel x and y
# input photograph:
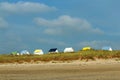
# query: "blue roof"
{"type": "Point", "coordinates": [24, 51]}
{"type": "Point", "coordinates": [106, 48]}
{"type": "Point", "coordinates": [53, 50]}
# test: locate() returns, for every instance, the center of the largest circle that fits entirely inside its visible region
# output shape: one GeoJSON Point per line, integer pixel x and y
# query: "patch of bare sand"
{"type": "Point", "coordinates": [70, 70]}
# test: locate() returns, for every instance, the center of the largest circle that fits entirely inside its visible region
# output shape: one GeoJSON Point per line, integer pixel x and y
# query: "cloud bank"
{"type": "Point", "coordinates": [25, 7]}
{"type": "Point", "coordinates": [65, 24]}
{"type": "Point", "coordinates": [51, 41]}
{"type": "Point", "coordinates": [3, 23]}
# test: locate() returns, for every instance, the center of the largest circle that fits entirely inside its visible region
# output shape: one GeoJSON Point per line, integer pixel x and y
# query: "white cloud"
{"type": "Point", "coordinates": [51, 41]}
{"type": "Point", "coordinates": [114, 33]}
{"type": "Point", "coordinates": [25, 7]}
{"type": "Point", "coordinates": [3, 23]}
{"type": "Point", "coordinates": [66, 24]}
{"type": "Point", "coordinates": [54, 31]}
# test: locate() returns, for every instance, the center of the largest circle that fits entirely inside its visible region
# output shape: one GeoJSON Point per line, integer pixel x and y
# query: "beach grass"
{"type": "Point", "coordinates": [80, 55]}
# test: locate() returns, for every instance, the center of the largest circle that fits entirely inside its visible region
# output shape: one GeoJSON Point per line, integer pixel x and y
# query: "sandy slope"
{"type": "Point", "coordinates": [76, 70]}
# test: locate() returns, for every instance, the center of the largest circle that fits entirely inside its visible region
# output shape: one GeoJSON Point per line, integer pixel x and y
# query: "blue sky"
{"type": "Point", "coordinates": [45, 24]}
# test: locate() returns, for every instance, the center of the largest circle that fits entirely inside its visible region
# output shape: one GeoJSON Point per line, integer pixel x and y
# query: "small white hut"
{"type": "Point", "coordinates": [107, 48]}
{"type": "Point", "coordinates": [38, 52]}
{"type": "Point", "coordinates": [24, 52]}
{"type": "Point", "coordinates": [53, 50]}
{"type": "Point", "coordinates": [69, 49]}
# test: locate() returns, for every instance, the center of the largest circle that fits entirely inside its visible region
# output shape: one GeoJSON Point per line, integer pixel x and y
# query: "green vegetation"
{"type": "Point", "coordinates": [80, 55]}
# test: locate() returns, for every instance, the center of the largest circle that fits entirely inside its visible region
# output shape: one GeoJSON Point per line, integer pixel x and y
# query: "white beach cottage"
{"type": "Point", "coordinates": [24, 52]}
{"type": "Point", "coordinates": [69, 49]}
{"type": "Point", "coordinates": [38, 52]}
{"type": "Point", "coordinates": [107, 48]}
{"type": "Point", "coordinates": [53, 50]}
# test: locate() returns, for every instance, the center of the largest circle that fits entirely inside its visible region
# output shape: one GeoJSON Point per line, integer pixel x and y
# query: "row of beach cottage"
{"type": "Point", "coordinates": [55, 50]}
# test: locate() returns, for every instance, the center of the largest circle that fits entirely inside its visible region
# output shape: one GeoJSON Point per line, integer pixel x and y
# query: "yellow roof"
{"type": "Point", "coordinates": [37, 51]}
{"type": "Point", "coordinates": [86, 48]}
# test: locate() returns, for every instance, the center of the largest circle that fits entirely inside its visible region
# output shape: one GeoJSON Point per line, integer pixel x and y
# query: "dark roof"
{"type": "Point", "coordinates": [53, 50]}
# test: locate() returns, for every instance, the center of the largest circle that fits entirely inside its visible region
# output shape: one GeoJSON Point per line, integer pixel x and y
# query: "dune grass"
{"type": "Point", "coordinates": [80, 55]}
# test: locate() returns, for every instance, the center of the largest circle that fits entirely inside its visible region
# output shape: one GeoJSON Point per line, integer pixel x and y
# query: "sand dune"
{"type": "Point", "coordinates": [74, 70]}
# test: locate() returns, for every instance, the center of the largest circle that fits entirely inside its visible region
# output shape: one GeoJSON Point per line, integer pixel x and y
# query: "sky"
{"type": "Point", "coordinates": [45, 24]}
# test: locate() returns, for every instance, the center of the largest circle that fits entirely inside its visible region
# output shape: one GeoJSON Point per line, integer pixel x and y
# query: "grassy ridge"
{"type": "Point", "coordinates": [81, 55]}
